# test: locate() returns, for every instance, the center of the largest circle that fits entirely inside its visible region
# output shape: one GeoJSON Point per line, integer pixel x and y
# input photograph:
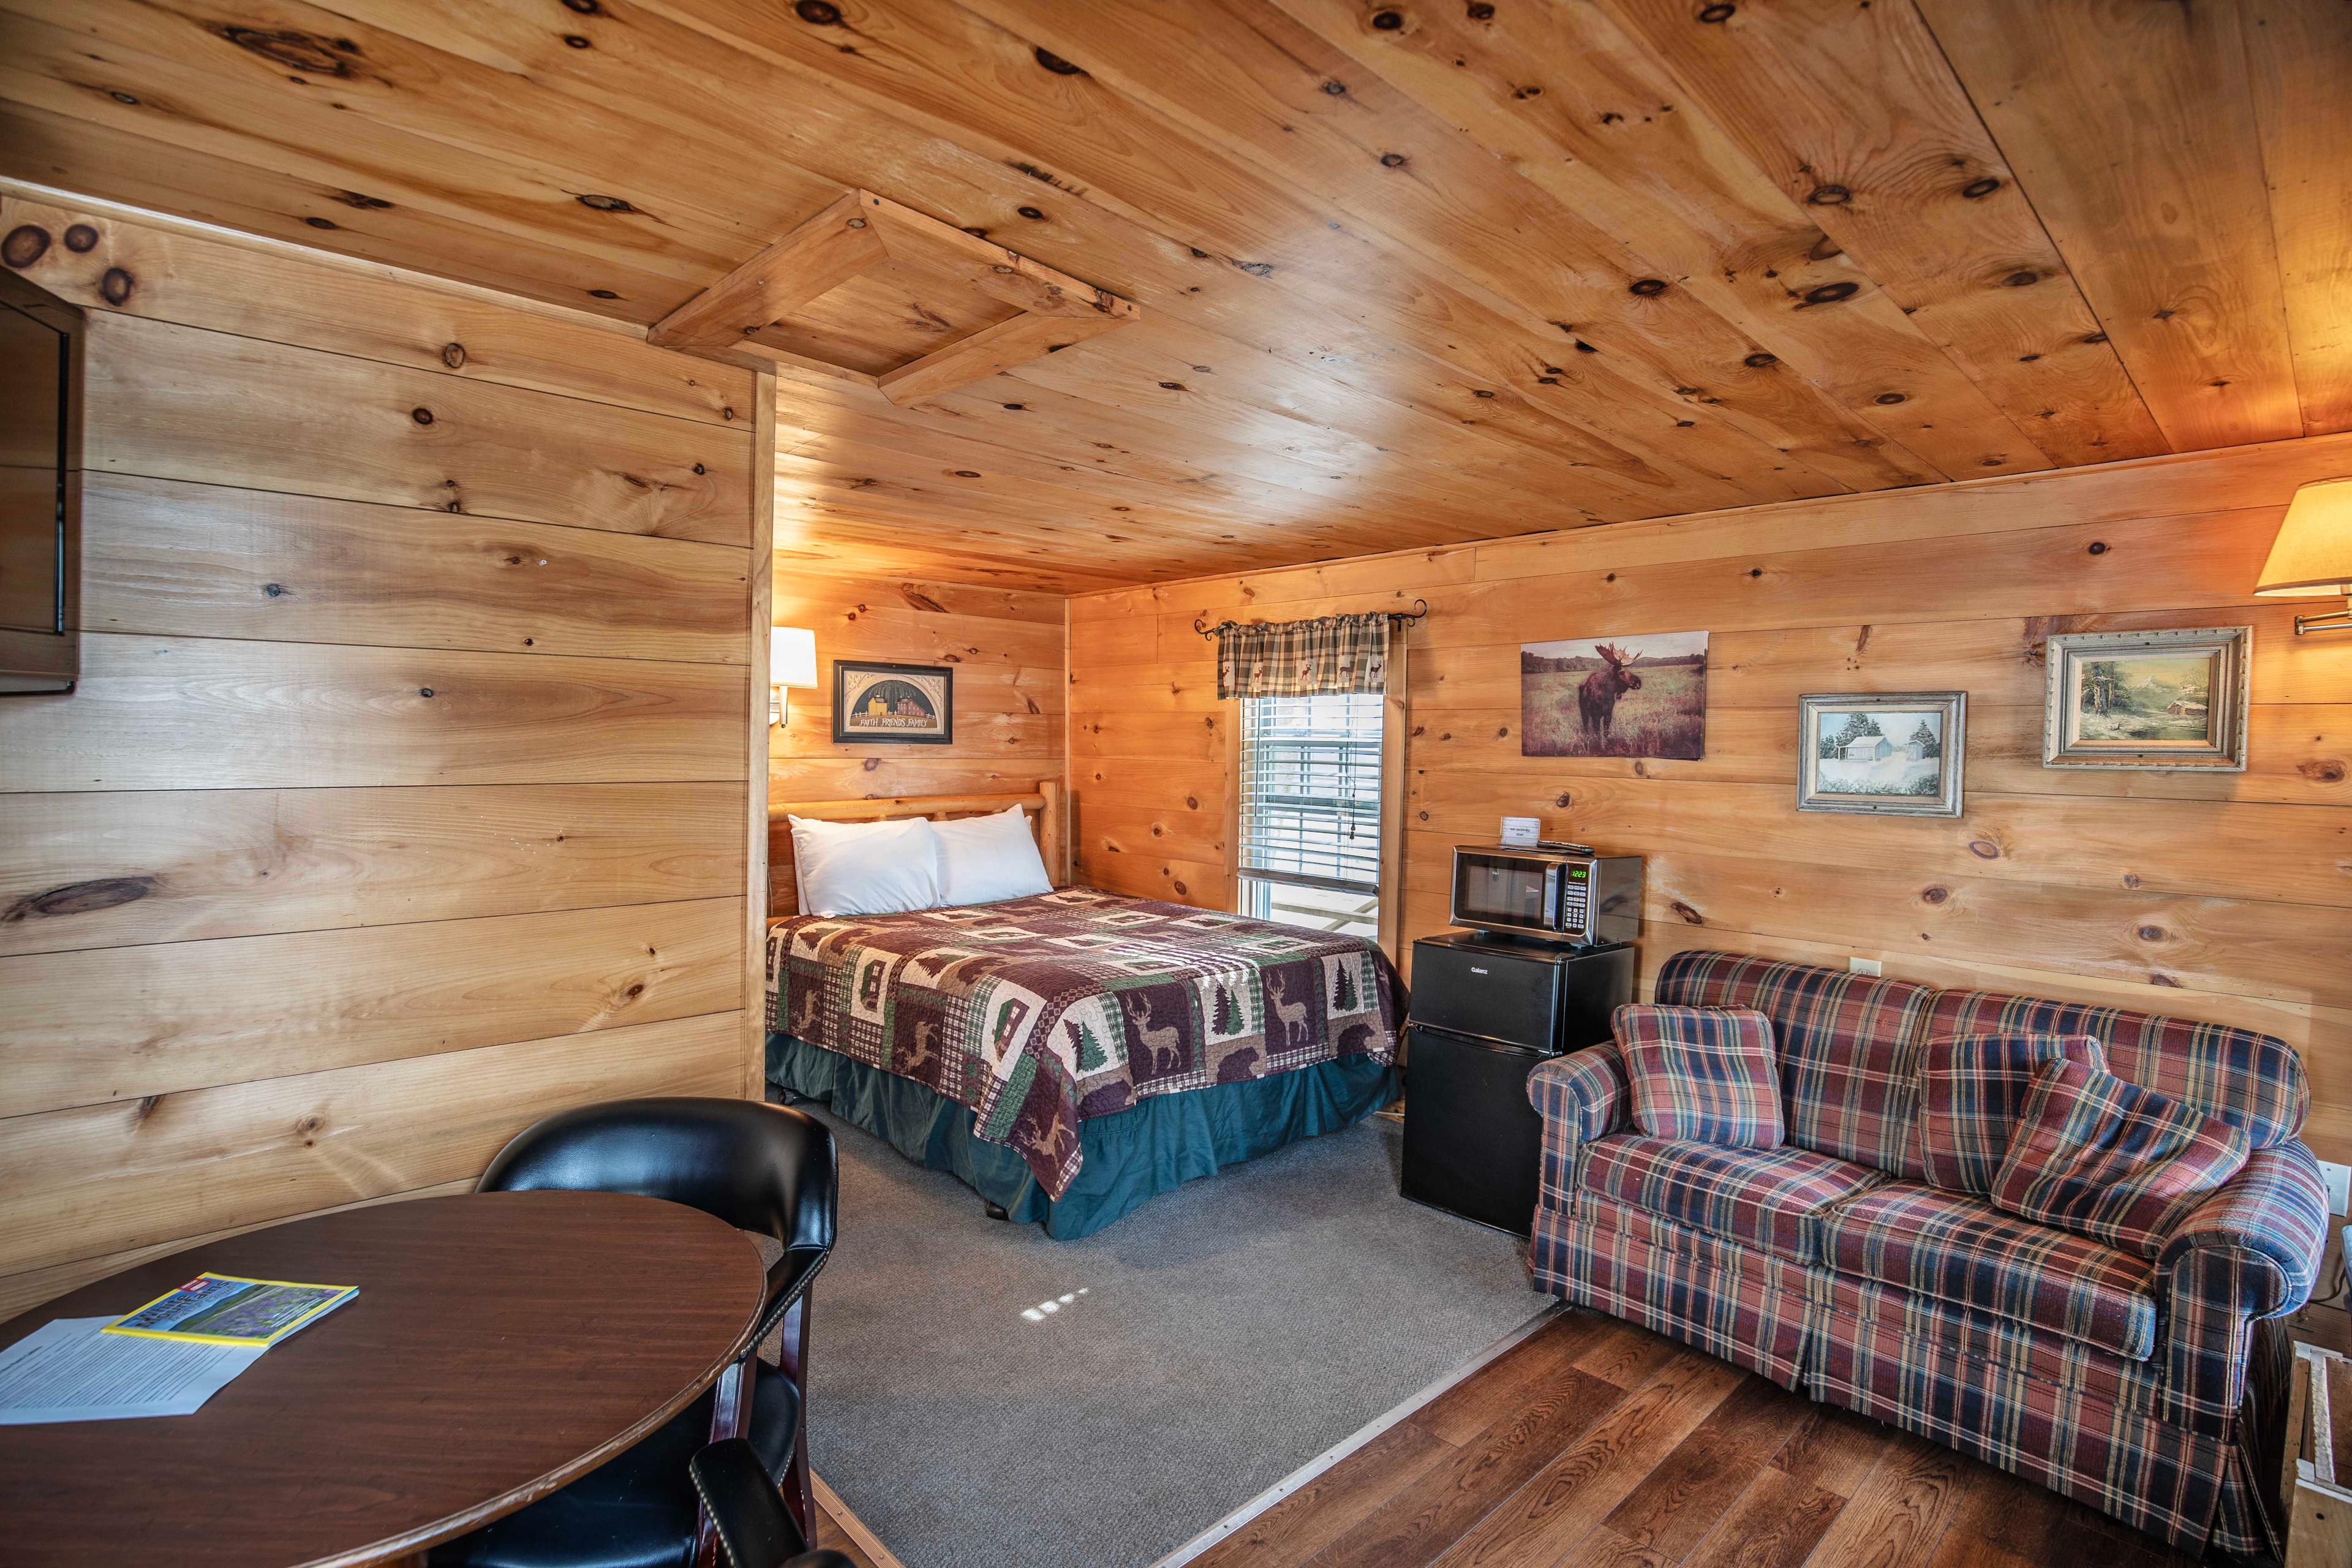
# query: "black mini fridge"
{"type": "Point", "coordinates": [1487, 1011]}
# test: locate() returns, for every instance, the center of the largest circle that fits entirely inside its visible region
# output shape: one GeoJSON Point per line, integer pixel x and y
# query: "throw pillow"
{"type": "Point", "coordinates": [2104, 1158]}
{"type": "Point", "coordinates": [1972, 1088]}
{"type": "Point", "coordinates": [1701, 1075]}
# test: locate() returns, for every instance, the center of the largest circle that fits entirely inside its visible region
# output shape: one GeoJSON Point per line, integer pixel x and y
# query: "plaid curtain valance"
{"type": "Point", "coordinates": [1304, 658]}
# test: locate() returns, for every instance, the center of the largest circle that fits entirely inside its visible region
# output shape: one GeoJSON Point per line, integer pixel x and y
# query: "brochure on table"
{"type": "Point", "coordinates": [165, 1359]}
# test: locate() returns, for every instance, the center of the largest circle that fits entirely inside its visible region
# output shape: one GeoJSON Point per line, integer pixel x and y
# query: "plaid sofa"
{"type": "Point", "coordinates": [2147, 1388]}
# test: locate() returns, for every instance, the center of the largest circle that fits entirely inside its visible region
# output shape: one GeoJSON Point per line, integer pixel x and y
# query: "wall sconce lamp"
{"type": "Point", "coordinates": [2312, 557]}
{"type": "Point", "coordinates": [791, 661]}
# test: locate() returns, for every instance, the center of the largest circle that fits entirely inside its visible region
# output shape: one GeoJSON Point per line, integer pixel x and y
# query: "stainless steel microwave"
{"type": "Point", "coordinates": [1560, 893]}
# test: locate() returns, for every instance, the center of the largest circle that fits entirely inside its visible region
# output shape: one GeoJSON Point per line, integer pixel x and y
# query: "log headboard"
{"type": "Point", "coordinates": [1047, 806]}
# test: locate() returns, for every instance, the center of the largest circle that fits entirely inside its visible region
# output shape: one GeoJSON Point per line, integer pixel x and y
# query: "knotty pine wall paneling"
{"type": "Point", "coordinates": [2222, 896]}
{"type": "Point", "coordinates": [1006, 646]}
{"type": "Point", "coordinates": [405, 798]}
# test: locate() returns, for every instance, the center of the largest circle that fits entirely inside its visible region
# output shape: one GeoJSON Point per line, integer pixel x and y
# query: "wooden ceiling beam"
{"type": "Point", "coordinates": [822, 253]}
{"type": "Point", "coordinates": [855, 233]}
{"type": "Point", "coordinates": [1027, 285]}
{"type": "Point", "coordinates": [987, 352]}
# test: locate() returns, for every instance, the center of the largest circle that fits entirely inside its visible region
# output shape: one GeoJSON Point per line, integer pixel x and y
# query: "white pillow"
{"type": "Point", "coordinates": [866, 867]}
{"type": "Point", "coordinates": [983, 859]}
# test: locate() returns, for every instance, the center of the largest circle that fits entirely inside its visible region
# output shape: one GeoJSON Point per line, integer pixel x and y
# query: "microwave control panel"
{"type": "Point", "coordinates": [1575, 899]}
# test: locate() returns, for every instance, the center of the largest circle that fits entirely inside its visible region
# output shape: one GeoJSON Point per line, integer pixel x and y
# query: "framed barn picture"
{"type": "Point", "coordinates": [1882, 754]}
{"type": "Point", "coordinates": [907, 704]}
{"type": "Point", "coordinates": [2148, 699]}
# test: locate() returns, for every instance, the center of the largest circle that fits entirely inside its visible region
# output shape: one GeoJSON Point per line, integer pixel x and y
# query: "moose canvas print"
{"type": "Point", "coordinates": [1615, 697]}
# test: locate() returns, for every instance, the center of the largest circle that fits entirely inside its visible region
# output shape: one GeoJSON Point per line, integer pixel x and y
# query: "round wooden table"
{"type": "Point", "coordinates": [502, 1344]}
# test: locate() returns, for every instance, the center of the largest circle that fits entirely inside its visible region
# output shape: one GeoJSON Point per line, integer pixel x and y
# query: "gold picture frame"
{"type": "Point", "coordinates": [2172, 700]}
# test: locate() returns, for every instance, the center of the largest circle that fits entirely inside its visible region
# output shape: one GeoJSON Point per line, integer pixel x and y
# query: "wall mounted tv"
{"type": "Point", "coordinates": [40, 489]}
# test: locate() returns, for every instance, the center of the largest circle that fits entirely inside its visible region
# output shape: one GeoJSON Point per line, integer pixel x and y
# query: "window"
{"type": "Point", "coordinates": [1311, 811]}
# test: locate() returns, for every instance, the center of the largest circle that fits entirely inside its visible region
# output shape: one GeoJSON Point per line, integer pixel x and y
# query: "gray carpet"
{"type": "Point", "coordinates": [1200, 1349]}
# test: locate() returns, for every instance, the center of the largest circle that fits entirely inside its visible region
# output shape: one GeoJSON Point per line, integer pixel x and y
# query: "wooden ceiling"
{"type": "Point", "coordinates": [1409, 272]}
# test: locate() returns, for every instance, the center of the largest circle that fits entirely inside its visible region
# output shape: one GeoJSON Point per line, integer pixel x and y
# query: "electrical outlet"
{"type": "Point", "coordinates": [2339, 1186]}
{"type": "Point", "coordinates": [1862, 965]}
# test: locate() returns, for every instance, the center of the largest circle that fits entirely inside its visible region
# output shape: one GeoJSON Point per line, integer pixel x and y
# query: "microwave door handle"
{"type": "Point", "coordinates": [1551, 898]}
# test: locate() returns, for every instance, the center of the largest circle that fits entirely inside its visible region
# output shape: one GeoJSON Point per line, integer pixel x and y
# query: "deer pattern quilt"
{"type": "Point", "coordinates": [1039, 1012]}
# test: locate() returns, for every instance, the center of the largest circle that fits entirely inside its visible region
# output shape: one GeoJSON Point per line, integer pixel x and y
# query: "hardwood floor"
{"type": "Point", "coordinates": [840, 1529]}
{"type": "Point", "coordinates": [1595, 1442]}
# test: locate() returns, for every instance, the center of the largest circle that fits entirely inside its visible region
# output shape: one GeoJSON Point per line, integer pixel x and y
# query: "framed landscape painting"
{"type": "Point", "coordinates": [1882, 754]}
{"type": "Point", "coordinates": [911, 704]}
{"type": "Point", "coordinates": [2148, 699]}
{"type": "Point", "coordinates": [1615, 697]}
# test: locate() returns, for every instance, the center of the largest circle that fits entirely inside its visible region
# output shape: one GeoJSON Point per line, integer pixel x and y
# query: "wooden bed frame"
{"type": "Point", "coordinates": [1047, 808]}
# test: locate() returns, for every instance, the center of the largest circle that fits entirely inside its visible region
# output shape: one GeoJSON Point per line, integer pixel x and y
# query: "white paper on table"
{"type": "Point", "coordinates": [66, 1369]}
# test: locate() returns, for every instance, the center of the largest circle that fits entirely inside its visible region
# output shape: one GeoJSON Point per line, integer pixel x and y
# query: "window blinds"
{"type": "Point", "coordinates": [1310, 781]}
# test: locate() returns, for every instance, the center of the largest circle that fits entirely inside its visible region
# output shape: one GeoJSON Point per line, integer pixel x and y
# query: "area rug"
{"type": "Point", "coordinates": [981, 1394]}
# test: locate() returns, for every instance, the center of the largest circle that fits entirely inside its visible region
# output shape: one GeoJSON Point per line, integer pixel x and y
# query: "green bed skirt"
{"type": "Point", "coordinates": [1154, 1146]}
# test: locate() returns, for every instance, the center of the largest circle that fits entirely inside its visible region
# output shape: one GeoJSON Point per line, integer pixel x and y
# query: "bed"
{"type": "Point", "coordinates": [1070, 1054]}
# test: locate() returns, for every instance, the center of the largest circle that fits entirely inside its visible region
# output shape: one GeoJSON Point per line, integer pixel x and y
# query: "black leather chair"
{"type": "Point", "coordinates": [761, 1168]}
{"type": "Point", "coordinates": [741, 1496]}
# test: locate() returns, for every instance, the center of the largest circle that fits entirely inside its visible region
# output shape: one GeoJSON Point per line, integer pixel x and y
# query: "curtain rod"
{"type": "Point", "coordinates": [1419, 609]}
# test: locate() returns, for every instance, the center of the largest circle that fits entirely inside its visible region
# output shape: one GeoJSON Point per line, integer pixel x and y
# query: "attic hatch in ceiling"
{"type": "Point", "coordinates": [878, 293]}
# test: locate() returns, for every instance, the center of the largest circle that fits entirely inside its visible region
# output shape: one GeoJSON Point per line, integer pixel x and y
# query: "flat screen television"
{"type": "Point", "coordinates": [40, 489]}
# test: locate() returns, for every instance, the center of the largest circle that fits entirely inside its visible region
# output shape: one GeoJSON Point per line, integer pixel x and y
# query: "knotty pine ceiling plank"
{"type": "Point", "coordinates": [1047, 462]}
{"type": "Point", "coordinates": [2299, 58]}
{"type": "Point", "coordinates": [1447, 397]}
{"type": "Point", "coordinates": [952, 76]}
{"type": "Point", "coordinates": [1563, 98]}
{"type": "Point", "coordinates": [2132, 128]}
{"type": "Point", "coordinates": [1364, 194]}
{"type": "Point", "coordinates": [1152, 455]}
{"type": "Point", "coordinates": [1543, 431]}
{"type": "Point", "coordinates": [1385, 359]}
{"type": "Point", "coordinates": [1854, 112]}
{"type": "Point", "coordinates": [1022, 495]}
{"type": "Point", "coordinates": [783, 100]}
{"type": "Point", "coordinates": [967, 510]}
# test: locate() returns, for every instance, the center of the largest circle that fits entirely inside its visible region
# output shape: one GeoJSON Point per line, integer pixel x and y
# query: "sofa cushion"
{"type": "Point", "coordinates": [1767, 1198]}
{"type": "Point", "coordinates": [1703, 1074]}
{"type": "Point", "coordinates": [2254, 1079]}
{"type": "Point", "coordinates": [2111, 1161]}
{"type": "Point", "coordinates": [1847, 1045]}
{"type": "Point", "coordinates": [1972, 1091]}
{"type": "Point", "coordinates": [1958, 1248]}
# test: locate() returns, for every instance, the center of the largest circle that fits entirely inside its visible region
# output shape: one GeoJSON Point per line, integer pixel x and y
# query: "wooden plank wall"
{"type": "Point", "coordinates": [2215, 896]}
{"type": "Point", "coordinates": [406, 796]}
{"type": "Point", "coordinates": [1006, 646]}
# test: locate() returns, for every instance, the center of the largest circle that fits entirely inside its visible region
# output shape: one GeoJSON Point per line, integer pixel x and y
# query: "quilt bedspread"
{"type": "Point", "coordinates": [1039, 1012]}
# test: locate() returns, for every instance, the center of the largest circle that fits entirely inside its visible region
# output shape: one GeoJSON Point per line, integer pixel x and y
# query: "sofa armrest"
{"type": "Point", "coordinates": [2267, 1226]}
{"type": "Point", "coordinates": [1582, 1096]}
{"type": "Point", "coordinates": [2251, 1250]}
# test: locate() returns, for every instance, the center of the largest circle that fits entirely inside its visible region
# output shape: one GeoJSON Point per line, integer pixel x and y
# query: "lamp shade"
{"type": "Point", "coordinates": [791, 657]}
{"type": "Point", "coordinates": [2312, 556]}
